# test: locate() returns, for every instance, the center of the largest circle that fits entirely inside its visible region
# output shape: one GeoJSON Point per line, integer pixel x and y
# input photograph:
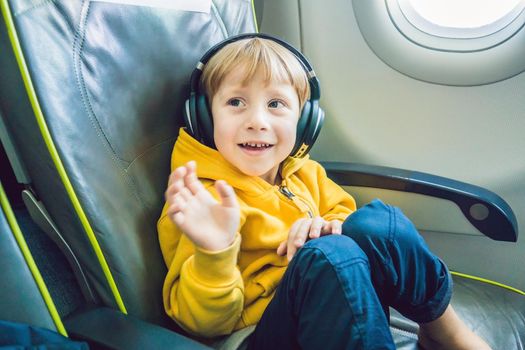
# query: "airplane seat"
{"type": "Point", "coordinates": [108, 82]}
{"type": "Point", "coordinates": [92, 94]}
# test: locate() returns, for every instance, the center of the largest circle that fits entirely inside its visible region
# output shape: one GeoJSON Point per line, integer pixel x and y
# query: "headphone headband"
{"type": "Point", "coordinates": [315, 91]}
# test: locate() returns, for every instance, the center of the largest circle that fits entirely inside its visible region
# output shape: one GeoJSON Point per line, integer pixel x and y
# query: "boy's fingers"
{"type": "Point", "coordinates": [291, 238]}
{"type": "Point", "coordinates": [227, 194]}
{"type": "Point", "coordinates": [327, 228]}
{"type": "Point", "coordinates": [173, 179]}
{"type": "Point", "coordinates": [178, 218]}
{"type": "Point", "coordinates": [331, 228]}
{"type": "Point", "coordinates": [302, 233]}
{"type": "Point", "coordinates": [317, 225]}
{"type": "Point", "coordinates": [173, 189]}
{"type": "Point", "coordinates": [177, 174]}
{"type": "Point", "coordinates": [337, 227]}
{"type": "Point", "coordinates": [171, 211]}
{"type": "Point", "coordinates": [293, 230]}
{"type": "Point", "coordinates": [175, 182]}
{"type": "Point", "coordinates": [299, 238]}
{"type": "Point", "coordinates": [178, 204]}
{"type": "Point", "coordinates": [191, 166]}
{"type": "Point", "coordinates": [281, 249]}
{"type": "Point", "coordinates": [185, 194]}
{"type": "Point", "coordinates": [191, 180]}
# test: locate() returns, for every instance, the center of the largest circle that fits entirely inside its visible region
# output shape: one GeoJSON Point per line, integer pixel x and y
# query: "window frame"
{"type": "Point", "coordinates": [467, 61]}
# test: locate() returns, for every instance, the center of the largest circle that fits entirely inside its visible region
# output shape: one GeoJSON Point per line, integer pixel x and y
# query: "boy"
{"type": "Point", "coordinates": [241, 233]}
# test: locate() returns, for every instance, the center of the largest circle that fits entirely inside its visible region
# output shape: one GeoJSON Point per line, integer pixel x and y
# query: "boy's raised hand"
{"type": "Point", "coordinates": [304, 229]}
{"type": "Point", "coordinates": [209, 224]}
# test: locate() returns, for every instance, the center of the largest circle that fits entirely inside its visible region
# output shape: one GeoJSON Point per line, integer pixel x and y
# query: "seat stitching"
{"type": "Point", "coordinates": [42, 3]}
{"type": "Point", "coordinates": [78, 46]}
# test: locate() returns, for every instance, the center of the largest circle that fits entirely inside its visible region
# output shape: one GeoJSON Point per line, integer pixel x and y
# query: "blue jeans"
{"type": "Point", "coordinates": [337, 289]}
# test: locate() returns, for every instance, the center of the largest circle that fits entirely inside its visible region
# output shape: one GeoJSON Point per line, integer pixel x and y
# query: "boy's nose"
{"type": "Point", "coordinates": [257, 120]}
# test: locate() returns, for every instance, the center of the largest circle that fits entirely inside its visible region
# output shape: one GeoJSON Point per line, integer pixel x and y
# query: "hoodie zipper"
{"type": "Point", "coordinates": [299, 202]}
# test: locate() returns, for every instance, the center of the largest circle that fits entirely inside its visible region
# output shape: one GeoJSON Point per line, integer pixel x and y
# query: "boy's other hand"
{"type": "Point", "coordinates": [209, 224]}
{"type": "Point", "coordinates": [304, 229]}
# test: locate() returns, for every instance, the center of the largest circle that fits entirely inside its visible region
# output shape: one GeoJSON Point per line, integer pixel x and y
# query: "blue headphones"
{"type": "Point", "coordinates": [197, 113]}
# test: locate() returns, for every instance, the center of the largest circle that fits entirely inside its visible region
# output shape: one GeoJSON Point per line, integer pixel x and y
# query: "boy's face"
{"type": "Point", "coordinates": [255, 124]}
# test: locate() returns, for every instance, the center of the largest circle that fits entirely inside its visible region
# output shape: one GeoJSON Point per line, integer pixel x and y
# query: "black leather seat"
{"type": "Point", "coordinates": [495, 313]}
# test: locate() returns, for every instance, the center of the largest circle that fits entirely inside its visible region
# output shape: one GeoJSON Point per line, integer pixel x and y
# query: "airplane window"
{"type": "Point", "coordinates": [449, 42]}
{"type": "Point", "coordinates": [465, 18]}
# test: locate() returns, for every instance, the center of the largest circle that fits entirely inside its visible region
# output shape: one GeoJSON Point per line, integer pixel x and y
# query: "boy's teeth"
{"type": "Point", "coordinates": [256, 145]}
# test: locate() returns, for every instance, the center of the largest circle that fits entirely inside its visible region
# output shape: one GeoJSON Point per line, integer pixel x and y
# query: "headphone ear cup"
{"type": "Point", "coordinates": [190, 117]}
{"type": "Point", "coordinates": [314, 127]}
{"type": "Point", "coordinates": [205, 121]}
{"type": "Point", "coordinates": [319, 121]}
{"type": "Point", "coordinates": [308, 128]}
{"type": "Point", "coordinates": [302, 126]}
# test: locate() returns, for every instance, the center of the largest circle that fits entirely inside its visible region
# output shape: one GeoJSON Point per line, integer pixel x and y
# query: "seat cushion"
{"type": "Point", "coordinates": [496, 314]}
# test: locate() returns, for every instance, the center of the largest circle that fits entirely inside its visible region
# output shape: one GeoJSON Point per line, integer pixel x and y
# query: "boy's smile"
{"type": "Point", "coordinates": [255, 122]}
{"type": "Point", "coordinates": [255, 148]}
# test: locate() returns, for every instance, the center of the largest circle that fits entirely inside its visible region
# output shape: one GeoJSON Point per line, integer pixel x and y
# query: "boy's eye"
{"type": "Point", "coordinates": [235, 102]}
{"type": "Point", "coordinates": [276, 104]}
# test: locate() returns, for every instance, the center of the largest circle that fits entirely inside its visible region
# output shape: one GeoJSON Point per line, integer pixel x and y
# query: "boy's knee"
{"type": "Point", "coordinates": [378, 222]}
{"type": "Point", "coordinates": [373, 219]}
{"type": "Point", "coordinates": [333, 249]}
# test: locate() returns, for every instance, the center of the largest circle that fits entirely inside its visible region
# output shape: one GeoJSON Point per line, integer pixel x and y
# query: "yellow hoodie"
{"type": "Point", "coordinates": [215, 293]}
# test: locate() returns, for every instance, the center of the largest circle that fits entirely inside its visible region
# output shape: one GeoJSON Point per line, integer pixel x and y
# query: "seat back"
{"type": "Point", "coordinates": [24, 297]}
{"type": "Point", "coordinates": [93, 101]}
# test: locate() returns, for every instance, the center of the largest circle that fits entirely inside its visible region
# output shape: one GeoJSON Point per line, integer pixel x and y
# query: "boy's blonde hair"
{"type": "Point", "coordinates": [277, 64]}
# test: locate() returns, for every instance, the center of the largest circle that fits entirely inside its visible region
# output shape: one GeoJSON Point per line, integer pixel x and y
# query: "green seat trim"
{"type": "Point", "coordinates": [484, 280]}
{"type": "Point", "coordinates": [24, 71]}
{"type": "Point", "coordinates": [254, 17]}
{"type": "Point", "coordinates": [17, 233]}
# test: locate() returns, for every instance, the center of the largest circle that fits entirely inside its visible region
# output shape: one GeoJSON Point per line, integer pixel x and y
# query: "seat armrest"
{"type": "Point", "coordinates": [106, 328]}
{"type": "Point", "coordinates": [484, 209]}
